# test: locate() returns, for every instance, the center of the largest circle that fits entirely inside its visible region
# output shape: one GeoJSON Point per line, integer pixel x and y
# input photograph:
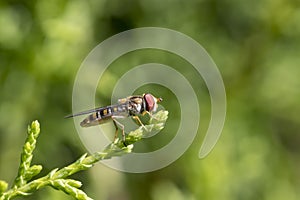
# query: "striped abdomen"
{"type": "Point", "coordinates": [102, 115]}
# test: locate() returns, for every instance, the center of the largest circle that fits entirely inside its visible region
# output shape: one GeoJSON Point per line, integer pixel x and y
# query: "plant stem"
{"type": "Point", "coordinates": [58, 178]}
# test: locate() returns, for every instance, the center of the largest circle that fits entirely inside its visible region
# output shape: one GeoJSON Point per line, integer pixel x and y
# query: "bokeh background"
{"type": "Point", "coordinates": [255, 44]}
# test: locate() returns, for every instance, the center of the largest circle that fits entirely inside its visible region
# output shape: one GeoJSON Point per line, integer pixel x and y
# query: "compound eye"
{"type": "Point", "coordinates": [150, 102]}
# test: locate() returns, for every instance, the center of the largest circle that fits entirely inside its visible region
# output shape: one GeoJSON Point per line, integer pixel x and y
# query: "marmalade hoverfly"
{"type": "Point", "coordinates": [131, 106]}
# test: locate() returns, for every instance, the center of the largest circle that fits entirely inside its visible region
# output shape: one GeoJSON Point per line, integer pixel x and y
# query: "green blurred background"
{"type": "Point", "coordinates": [255, 44]}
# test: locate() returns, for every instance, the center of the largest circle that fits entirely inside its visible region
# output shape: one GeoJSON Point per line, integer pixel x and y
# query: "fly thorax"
{"type": "Point", "coordinates": [135, 108]}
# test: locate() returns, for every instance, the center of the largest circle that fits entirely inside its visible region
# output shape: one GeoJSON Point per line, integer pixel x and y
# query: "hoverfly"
{"type": "Point", "coordinates": [131, 106]}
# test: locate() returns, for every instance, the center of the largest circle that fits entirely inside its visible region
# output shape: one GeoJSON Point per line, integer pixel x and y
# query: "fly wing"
{"type": "Point", "coordinates": [84, 112]}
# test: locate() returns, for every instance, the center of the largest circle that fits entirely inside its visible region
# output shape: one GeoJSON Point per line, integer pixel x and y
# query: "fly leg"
{"type": "Point", "coordinates": [116, 132]}
{"type": "Point", "coordinates": [147, 112]}
{"type": "Point", "coordinates": [116, 123]}
{"type": "Point", "coordinates": [138, 120]}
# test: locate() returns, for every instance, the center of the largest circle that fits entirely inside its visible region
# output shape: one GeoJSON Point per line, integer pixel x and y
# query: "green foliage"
{"type": "Point", "coordinates": [26, 172]}
{"type": "Point", "coordinates": [57, 178]}
{"type": "Point", "coordinates": [3, 186]}
{"type": "Point", "coordinates": [255, 45]}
